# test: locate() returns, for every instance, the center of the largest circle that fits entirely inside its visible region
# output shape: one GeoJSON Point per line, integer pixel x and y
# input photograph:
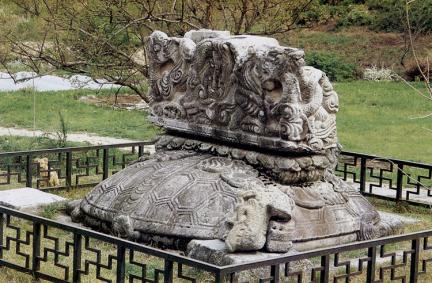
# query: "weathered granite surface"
{"type": "Point", "coordinates": [248, 156]}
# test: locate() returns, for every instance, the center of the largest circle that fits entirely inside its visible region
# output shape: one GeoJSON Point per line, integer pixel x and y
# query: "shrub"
{"type": "Point", "coordinates": [357, 15]}
{"type": "Point", "coordinates": [342, 2]}
{"type": "Point", "coordinates": [316, 14]}
{"type": "Point", "coordinates": [334, 66]}
{"type": "Point", "coordinates": [379, 74]}
{"type": "Point", "coordinates": [389, 15]}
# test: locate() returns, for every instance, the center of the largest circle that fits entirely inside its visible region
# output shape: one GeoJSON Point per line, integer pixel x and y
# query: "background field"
{"type": "Point", "coordinates": [382, 119]}
{"type": "Point", "coordinates": [16, 110]}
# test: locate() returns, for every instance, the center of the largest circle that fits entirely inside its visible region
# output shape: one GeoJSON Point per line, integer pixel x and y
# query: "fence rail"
{"type": "Point", "coordinates": [57, 252]}
{"type": "Point", "coordinates": [73, 166]}
{"type": "Point", "coordinates": [388, 178]}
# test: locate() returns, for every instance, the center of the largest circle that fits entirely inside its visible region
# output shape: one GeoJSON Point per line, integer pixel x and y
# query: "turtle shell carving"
{"type": "Point", "coordinates": [184, 194]}
{"type": "Point", "coordinates": [181, 194]}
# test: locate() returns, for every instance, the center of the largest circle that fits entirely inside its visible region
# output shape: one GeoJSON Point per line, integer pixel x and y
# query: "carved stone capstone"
{"type": "Point", "coordinates": [247, 90]}
{"type": "Point", "coordinates": [248, 156]}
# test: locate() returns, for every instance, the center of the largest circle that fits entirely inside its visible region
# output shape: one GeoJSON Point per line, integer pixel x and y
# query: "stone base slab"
{"type": "Point", "coordinates": [26, 198]}
{"type": "Point", "coordinates": [215, 252]}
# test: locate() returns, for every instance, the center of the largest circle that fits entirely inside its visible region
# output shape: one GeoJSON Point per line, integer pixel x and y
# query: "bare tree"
{"type": "Point", "coordinates": [104, 38]}
{"type": "Point", "coordinates": [423, 68]}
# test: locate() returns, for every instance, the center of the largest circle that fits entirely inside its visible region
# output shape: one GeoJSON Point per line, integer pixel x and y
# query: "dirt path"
{"type": "Point", "coordinates": [49, 82]}
{"type": "Point", "coordinates": [76, 137]}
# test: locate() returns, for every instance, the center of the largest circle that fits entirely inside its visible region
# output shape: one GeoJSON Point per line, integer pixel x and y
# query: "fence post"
{"type": "Point", "coordinates": [105, 164]}
{"type": "Point", "coordinates": [325, 265]}
{"type": "Point", "coordinates": [370, 275]}
{"type": "Point", "coordinates": [274, 273]}
{"type": "Point", "coordinates": [415, 257]}
{"type": "Point", "coordinates": [168, 271]}
{"type": "Point", "coordinates": [399, 184]}
{"type": "Point", "coordinates": [29, 180]}
{"type": "Point", "coordinates": [69, 169]}
{"type": "Point", "coordinates": [36, 248]}
{"type": "Point", "coordinates": [121, 264]}
{"type": "Point", "coordinates": [362, 175]}
{"type": "Point", "coordinates": [218, 277]}
{"type": "Point", "coordinates": [2, 216]}
{"type": "Point", "coordinates": [76, 265]}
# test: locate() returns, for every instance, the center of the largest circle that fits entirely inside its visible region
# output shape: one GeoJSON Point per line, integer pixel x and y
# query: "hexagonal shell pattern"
{"type": "Point", "coordinates": [171, 197]}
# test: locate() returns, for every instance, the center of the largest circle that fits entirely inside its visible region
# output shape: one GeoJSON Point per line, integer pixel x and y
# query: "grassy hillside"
{"type": "Point", "coordinates": [360, 46]}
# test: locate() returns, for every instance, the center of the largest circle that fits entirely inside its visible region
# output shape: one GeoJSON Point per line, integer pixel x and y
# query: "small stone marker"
{"type": "Point", "coordinates": [24, 198]}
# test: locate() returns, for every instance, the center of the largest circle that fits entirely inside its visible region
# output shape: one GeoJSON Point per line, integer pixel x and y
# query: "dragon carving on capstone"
{"type": "Point", "coordinates": [256, 94]}
{"type": "Point", "coordinates": [248, 156]}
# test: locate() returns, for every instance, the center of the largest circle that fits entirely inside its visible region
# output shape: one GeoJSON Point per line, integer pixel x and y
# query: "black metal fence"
{"type": "Point", "coordinates": [73, 166]}
{"type": "Point", "coordinates": [66, 253]}
{"type": "Point", "coordinates": [56, 252]}
{"type": "Point", "coordinates": [388, 178]}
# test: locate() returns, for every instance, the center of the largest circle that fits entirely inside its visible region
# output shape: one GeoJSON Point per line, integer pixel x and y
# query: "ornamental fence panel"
{"type": "Point", "coordinates": [56, 252]}
{"type": "Point", "coordinates": [66, 167]}
{"type": "Point", "coordinates": [387, 178]}
{"type": "Point", "coordinates": [59, 252]}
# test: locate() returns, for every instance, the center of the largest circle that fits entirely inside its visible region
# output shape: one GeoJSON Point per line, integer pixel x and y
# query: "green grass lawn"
{"type": "Point", "coordinates": [378, 118]}
{"type": "Point", "coordinates": [16, 110]}
{"type": "Point", "coordinates": [374, 118]}
{"type": "Point", "coordinates": [14, 143]}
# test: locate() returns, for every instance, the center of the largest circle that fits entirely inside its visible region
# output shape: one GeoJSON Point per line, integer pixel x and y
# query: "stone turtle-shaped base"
{"type": "Point", "coordinates": [187, 195]}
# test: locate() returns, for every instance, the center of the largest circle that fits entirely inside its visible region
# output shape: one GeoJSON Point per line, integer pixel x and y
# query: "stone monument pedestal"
{"type": "Point", "coordinates": [248, 156]}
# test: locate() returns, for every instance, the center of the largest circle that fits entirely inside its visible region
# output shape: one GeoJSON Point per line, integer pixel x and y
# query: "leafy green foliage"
{"type": "Point", "coordinates": [380, 15]}
{"type": "Point", "coordinates": [389, 15]}
{"type": "Point", "coordinates": [334, 66]}
{"type": "Point", "coordinates": [358, 15]}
